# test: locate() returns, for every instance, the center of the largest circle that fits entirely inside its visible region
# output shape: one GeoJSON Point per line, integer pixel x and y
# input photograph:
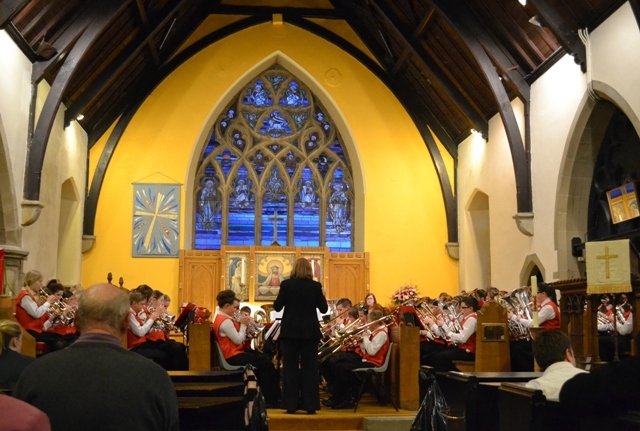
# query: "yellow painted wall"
{"type": "Point", "coordinates": [402, 212]}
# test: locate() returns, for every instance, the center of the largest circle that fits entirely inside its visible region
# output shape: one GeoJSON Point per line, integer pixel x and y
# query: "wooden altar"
{"type": "Point", "coordinates": [249, 270]}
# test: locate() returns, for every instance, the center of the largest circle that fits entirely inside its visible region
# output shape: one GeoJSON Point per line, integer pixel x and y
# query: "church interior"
{"type": "Point", "coordinates": [437, 146]}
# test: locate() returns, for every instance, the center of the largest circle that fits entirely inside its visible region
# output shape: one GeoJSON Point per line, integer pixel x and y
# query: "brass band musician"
{"type": "Point", "coordinates": [463, 342]}
{"type": "Point", "coordinates": [623, 318]}
{"type": "Point", "coordinates": [548, 312]}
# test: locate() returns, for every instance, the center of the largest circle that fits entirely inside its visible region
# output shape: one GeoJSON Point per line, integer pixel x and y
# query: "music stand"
{"type": "Point", "coordinates": [187, 315]}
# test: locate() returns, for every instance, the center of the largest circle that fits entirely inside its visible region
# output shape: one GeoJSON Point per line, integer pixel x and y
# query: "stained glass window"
{"type": "Point", "coordinates": [274, 170]}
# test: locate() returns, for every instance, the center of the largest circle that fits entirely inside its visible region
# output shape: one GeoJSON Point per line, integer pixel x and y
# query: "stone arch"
{"type": "Point", "coordinates": [478, 263]}
{"type": "Point", "coordinates": [576, 172]}
{"type": "Point", "coordinates": [67, 270]}
{"type": "Point", "coordinates": [531, 266]}
{"type": "Point", "coordinates": [333, 111]}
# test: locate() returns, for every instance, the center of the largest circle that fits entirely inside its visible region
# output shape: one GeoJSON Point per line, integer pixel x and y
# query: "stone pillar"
{"type": "Point", "coordinates": [13, 262]}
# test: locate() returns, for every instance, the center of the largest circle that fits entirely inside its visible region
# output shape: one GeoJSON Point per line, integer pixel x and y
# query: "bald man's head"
{"type": "Point", "coordinates": [102, 305]}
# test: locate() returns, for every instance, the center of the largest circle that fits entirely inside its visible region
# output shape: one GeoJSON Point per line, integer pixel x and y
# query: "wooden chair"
{"type": "Point", "coordinates": [368, 375]}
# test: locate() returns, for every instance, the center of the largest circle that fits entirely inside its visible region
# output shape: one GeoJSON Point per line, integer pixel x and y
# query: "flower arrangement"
{"type": "Point", "coordinates": [405, 293]}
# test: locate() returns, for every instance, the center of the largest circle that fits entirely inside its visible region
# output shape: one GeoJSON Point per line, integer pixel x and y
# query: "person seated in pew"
{"type": "Point", "coordinates": [553, 353]}
{"type": "Point", "coordinates": [230, 330]}
{"type": "Point", "coordinates": [96, 384]}
{"type": "Point", "coordinates": [23, 417]}
{"type": "Point", "coordinates": [608, 390]}
{"type": "Point", "coordinates": [12, 363]}
{"type": "Point", "coordinates": [462, 345]}
{"type": "Point", "coordinates": [371, 352]}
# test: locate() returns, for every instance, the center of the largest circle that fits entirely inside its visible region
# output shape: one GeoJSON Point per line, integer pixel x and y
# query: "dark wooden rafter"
{"type": "Point", "coordinates": [148, 30]}
{"type": "Point", "coordinates": [8, 9]}
{"type": "Point", "coordinates": [63, 45]}
{"type": "Point", "coordinates": [91, 203]}
{"type": "Point", "coordinates": [432, 68]}
{"type": "Point", "coordinates": [453, 11]}
{"type": "Point", "coordinates": [417, 114]}
{"type": "Point", "coordinates": [635, 7]}
{"type": "Point", "coordinates": [97, 16]}
{"type": "Point", "coordinates": [293, 12]}
{"type": "Point", "coordinates": [117, 66]}
{"type": "Point", "coordinates": [149, 79]}
{"type": "Point", "coordinates": [563, 33]}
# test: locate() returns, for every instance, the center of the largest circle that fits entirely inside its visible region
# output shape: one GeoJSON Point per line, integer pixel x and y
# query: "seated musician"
{"type": "Point", "coordinates": [432, 334]}
{"type": "Point", "coordinates": [553, 352]}
{"type": "Point", "coordinates": [63, 322]}
{"type": "Point", "coordinates": [34, 317]}
{"type": "Point", "coordinates": [329, 360]}
{"type": "Point", "coordinates": [343, 305]}
{"type": "Point", "coordinates": [230, 335]}
{"type": "Point", "coordinates": [463, 343]}
{"type": "Point", "coordinates": [623, 319]}
{"type": "Point", "coordinates": [548, 312]}
{"type": "Point", "coordinates": [146, 336]}
{"type": "Point", "coordinates": [371, 352]}
{"type": "Point", "coordinates": [246, 312]}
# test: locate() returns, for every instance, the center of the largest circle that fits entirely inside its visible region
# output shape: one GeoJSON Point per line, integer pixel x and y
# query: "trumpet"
{"type": "Point", "coordinates": [253, 328]}
{"type": "Point", "coordinates": [620, 316]}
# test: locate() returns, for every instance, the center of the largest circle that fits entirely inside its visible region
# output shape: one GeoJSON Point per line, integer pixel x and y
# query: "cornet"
{"type": "Point", "coordinates": [253, 329]}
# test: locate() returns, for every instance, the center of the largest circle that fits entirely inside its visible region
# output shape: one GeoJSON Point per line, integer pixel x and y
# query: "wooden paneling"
{"type": "Point", "coordinates": [200, 277]}
{"type": "Point", "coordinates": [348, 276]}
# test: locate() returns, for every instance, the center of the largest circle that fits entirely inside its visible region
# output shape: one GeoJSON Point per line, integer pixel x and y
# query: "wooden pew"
{"type": "Point", "coordinates": [475, 396]}
{"type": "Point", "coordinates": [492, 342]}
{"type": "Point", "coordinates": [28, 342]}
{"type": "Point", "coordinates": [404, 366]}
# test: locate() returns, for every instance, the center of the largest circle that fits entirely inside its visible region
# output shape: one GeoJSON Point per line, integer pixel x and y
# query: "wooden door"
{"type": "Point", "coordinates": [200, 277]}
{"type": "Point", "coordinates": [348, 276]}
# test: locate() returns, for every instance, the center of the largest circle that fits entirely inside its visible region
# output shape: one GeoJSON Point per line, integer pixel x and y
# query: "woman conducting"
{"type": "Point", "coordinates": [300, 296]}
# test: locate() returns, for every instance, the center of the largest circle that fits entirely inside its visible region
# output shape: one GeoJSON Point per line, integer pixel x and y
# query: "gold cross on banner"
{"type": "Point", "coordinates": [154, 216]}
{"type": "Point", "coordinates": [606, 258]}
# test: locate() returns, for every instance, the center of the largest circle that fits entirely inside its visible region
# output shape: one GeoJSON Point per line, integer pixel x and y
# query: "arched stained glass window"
{"type": "Point", "coordinates": [274, 170]}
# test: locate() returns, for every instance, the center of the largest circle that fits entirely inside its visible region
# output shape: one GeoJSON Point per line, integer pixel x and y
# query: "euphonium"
{"type": "Point", "coordinates": [603, 319]}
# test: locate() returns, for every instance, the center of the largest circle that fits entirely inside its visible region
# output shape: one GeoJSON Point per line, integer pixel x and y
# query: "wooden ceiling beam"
{"type": "Point", "coordinates": [432, 69]}
{"type": "Point", "coordinates": [294, 12]}
{"type": "Point", "coordinates": [453, 12]}
{"type": "Point", "coordinates": [9, 9]}
{"type": "Point", "coordinates": [114, 69]}
{"type": "Point", "coordinates": [569, 39]}
{"type": "Point", "coordinates": [142, 13]}
{"type": "Point", "coordinates": [405, 95]}
{"type": "Point", "coordinates": [97, 16]}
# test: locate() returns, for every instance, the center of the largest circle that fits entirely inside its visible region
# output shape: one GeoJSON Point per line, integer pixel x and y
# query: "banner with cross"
{"type": "Point", "coordinates": [608, 267]}
{"type": "Point", "coordinates": [156, 220]}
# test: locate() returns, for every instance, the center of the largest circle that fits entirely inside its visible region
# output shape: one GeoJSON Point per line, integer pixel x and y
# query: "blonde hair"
{"type": "Point", "coordinates": [8, 331]}
{"type": "Point", "coordinates": [302, 269]}
{"type": "Point", "coordinates": [31, 277]}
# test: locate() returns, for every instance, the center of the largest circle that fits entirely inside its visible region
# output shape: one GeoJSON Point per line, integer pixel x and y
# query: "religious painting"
{"type": "Point", "coordinates": [317, 266]}
{"type": "Point", "coordinates": [156, 220]}
{"type": "Point", "coordinates": [623, 203]}
{"type": "Point", "coordinates": [271, 269]}
{"type": "Point", "coordinates": [238, 275]}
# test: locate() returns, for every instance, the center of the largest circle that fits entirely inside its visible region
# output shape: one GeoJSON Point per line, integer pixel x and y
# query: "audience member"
{"type": "Point", "coordinates": [552, 350]}
{"type": "Point", "coordinates": [96, 384]}
{"type": "Point", "coordinates": [12, 363]}
{"type": "Point", "coordinates": [23, 417]}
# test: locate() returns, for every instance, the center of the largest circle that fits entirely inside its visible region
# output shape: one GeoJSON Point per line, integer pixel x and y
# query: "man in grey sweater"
{"type": "Point", "coordinates": [96, 384]}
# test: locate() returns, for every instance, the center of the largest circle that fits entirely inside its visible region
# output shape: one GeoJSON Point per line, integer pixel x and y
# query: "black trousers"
{"type": "Point", "coordinates": [606, 346]}
{"type": "Point", "coordinates": [300, 374]}
{"type": "Point", "coordinates": [54, 341]}
{"type": "Point", "coordinates": [443, 361]}
{"type": "Point", "coordinates": [429, 347]}
{"type": "Point", "coordinates": [268, 377]}
{"type": "Point", "coordinates": [345, 385]}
